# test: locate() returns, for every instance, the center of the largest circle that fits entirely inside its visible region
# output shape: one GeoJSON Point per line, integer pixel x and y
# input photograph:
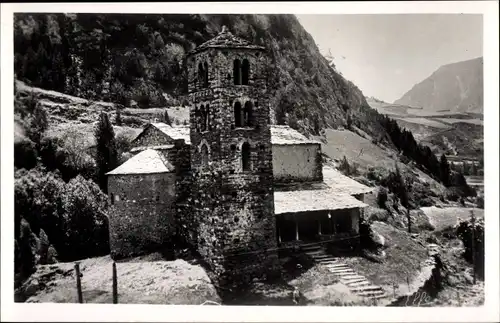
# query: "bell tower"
{"type": "Point", "coordinates": [231, 158]}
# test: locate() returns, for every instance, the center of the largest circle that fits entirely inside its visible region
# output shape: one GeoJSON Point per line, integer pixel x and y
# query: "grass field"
{"type": "Point", "coordinates": [478, 122]}
{"type": "Point", "coordinates": [140, 281]}
{"type": "Point", "coordinates": [443, 218]}
{"type": "Point", "coordinates": [363, 152]}
{"type": "Point", "coordinates": [426, 122]}
{"type": "Point", "coordinates": [403, 262]}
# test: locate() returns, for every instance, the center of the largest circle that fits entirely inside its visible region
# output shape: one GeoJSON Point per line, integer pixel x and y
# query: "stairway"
{"type": "Point", "coordinates": [357, 284]}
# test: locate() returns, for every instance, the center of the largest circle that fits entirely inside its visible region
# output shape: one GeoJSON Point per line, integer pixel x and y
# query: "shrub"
{"type": "Point", "coordinates": [25, 154]}
{"type": "Point", "coordinates": [133, 121]}
{"type": "Point", "coordinates": [382, 197]}
{"type": "Point", "coordinates": [465, 230]}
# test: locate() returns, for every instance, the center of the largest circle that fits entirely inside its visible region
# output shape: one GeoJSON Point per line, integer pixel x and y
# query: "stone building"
{"type": "Point", "coordinates": [231, 185]}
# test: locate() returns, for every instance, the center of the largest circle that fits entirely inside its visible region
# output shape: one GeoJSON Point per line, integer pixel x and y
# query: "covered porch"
{"type": "Point", "coordinates": [316, 215]}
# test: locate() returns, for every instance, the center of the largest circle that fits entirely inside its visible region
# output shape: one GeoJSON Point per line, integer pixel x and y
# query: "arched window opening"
{"type": "Point", "coordinates": [247, 114]}
{"type": "Point", "coordinates": [205, 83]}
{"type": "Point", "coordinates": [201, 74]}
{"type": "Point", "coordinates": [207, 117]}
{"type": "Point", "coordinates": [245, 156]}
{"type": "Point", "coordinates": [245, 71]}
{"type": "Point", "coordinates": [237, 72]}
{"type": "Point", "coordinates": [203, 119]}
{"type": "Point", "coordinates": [204, 155]}
{"type": "Point", "coordinates": [237, 114]}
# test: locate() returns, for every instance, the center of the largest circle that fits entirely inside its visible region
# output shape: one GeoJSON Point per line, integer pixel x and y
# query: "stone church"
{"type": "Point", "coordinates": [230, 185]}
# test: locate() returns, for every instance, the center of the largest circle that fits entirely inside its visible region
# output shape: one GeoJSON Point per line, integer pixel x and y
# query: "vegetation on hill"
{"type": "Point", "coordinates": [128, 58]}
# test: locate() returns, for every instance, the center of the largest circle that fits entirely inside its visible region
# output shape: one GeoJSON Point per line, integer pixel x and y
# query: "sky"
{"type": "Point", "coordinates": [385, 55]}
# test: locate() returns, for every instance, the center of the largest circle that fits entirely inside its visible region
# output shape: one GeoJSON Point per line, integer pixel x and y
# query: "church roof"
{"type": "Point", "coordinates": [343, 184]}
{"type": "Point", "coordinates": [225, 39]}
{"type": "Point", "coordinates": [177, 132]}
{"type": "Point", "coordinates": [313, 200]}
{"type": "Point", "coordinates": [284, 135]}
{"type": "Point", "coordinates": [146, 162]}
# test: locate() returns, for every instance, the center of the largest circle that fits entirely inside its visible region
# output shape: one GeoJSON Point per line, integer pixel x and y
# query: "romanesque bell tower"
{"type": "Point", "coordinates": [232, 200]}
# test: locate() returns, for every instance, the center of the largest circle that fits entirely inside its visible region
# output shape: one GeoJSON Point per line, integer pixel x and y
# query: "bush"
{"type": "Point", "coordinates": [465, 231]}
{"type": "Point", "coordinates": [25, 154]}
{"type": "Point", "coordinates": [70, 217]}
{"type": "Point", "coordinates": [382, 197]}
{"type": "Point", "coordinates": [132, 121]}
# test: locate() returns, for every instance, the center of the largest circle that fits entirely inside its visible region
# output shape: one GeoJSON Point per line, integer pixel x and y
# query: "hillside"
{"type": "Point", "coordinates": [456, 87]}
{"type": "Point", "coordinates": [138, 59]}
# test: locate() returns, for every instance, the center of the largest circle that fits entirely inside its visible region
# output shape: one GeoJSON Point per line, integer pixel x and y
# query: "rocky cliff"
{"type": "Point", "coordinates": [456, 87]}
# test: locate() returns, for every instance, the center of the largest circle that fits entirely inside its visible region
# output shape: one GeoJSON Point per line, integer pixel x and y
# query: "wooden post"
{"type": "Point", "coordinates": [319, 227]}
{"type": "Point", "coordinates": [279, 235]}
{"type": "Point", "coordinates": [115, 285]}
{"type": "Point", "coordinates": [408, 282]}
{"type": "Point", "coordinates": [78, 283]}
{"type": "Point", "coordinates": [473, 246]}
{"type": "Point", "coordinates": [296, 229]}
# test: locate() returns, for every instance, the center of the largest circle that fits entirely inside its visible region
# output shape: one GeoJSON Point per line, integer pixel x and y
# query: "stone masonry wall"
{"type": "Point", "coordinates": [297, 163]}
{"type": "Point", "coordinates": [142, 215]}
{"type": "Point", "coordinates": [151, 136]}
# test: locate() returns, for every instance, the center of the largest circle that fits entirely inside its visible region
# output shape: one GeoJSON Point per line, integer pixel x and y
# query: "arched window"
{"type": "Point", "coordinates": [203, 119]}
{"type": "Point", "coordinates": [201, 74]}
{"type": "Point", "coordinates": [245, 156]}
{"type": "Point", "coordinates": [207, 117]}
{"type": "Point", "coordinates": [205, 83]}
{"type": "Point", "coordinates": [245, 71]}
{"type": "Point", "coordinates": [247, 114]}
{"type": "Point", "coordinates": [237, 72]}
{"type": "Point", "coordinates": [204, 155]}
{"type": "Point", "coordinates": [237, 114]}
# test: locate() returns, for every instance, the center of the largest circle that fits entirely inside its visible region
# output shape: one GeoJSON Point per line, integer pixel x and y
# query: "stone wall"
{"type": "Point", "coordinates": [142, 215]}
{"type": "Point", "coordinates": [151, 136]}
{"type": "Point", "coordinates": [297, 163]}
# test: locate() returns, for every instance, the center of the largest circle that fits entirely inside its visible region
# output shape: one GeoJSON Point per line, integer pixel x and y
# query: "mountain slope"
{"type": "Point", "coordinates": [456, 87]}
{"type": "Point", "coordinates": [140, 58]}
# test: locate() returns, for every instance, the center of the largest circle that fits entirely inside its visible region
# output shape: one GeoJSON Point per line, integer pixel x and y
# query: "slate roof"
{"type": "Point", "coordinates": [177, 132]}
{"type": "Point", "coordinates": [148, 161]}
{"type": "Point", "coordinates": [313, 200]}
{"type": "Point", "coordinates": [284, 135]}
{"type": "Point", "coordinates": [225, 39]}
{"type": "Point", "coordinates": [343, 184]}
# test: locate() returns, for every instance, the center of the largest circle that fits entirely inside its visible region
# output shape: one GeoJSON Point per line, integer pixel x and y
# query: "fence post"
{"type": "Point", "coordinates": [408, 283]}
{"type": "Point", "coordinates": [78, 282]}
{"type": "Point", "coordinates": [115, 285]}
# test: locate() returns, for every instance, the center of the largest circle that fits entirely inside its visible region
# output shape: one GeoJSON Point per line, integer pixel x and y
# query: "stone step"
{"type": "Point", "coordinates": [350, 277]}
{"type": "Point", "coordinates": [329, 258]}
{"type": "Point", "coordinates": [345, 274]}
{"type": "Point", "coordinates": [320, 255]}
{"type": "Point", "coordinates": [358, 284]}
{"type": "Point", "coordinates": [340, 270]}
{"type": "Point", "coordinates": [377, 296]}
{"type": "Point", "coordinates": [352, 280]}
{"type": "Point", "coordinates": [339, 265]}
{"type": "Point", "coordinates": [366, 288]}
{"type": "Point", "coordinates": [372, 294]}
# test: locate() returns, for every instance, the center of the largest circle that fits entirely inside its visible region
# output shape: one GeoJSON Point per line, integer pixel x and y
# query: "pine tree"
{"type": "Point", "coordinates": [38, 124]}
{"type": "Point", "coordinates": [444, 170]}
{"type": "Point", "coordinates": [118, 119]}
{"type": "Point", "coordinates": [166, 118]}
{"type": "Point", "coordinates": [106, 156]}
{"type": "Point", "coordinates": [403, 195]}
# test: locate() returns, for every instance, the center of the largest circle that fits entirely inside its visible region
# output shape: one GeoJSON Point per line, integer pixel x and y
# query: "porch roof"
{"type": "Point", "coordinates": [313, 200]}
{"type": "Point", "coordinates": [343, 184]}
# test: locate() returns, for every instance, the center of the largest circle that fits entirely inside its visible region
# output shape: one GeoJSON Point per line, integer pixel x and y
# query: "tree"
{"type": "Point", "coordinates": [444, 170]}
{"type": "Point", "coordinates": [106, 154]}
{"type": "Point", "coordinates": [166, 118]}
{"type": "Point", "coordinates": [118, 119]}
{"type": "Point", "coordinates": [38, 124]}
{"type": "Point", "coordinates": [349, 122]}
